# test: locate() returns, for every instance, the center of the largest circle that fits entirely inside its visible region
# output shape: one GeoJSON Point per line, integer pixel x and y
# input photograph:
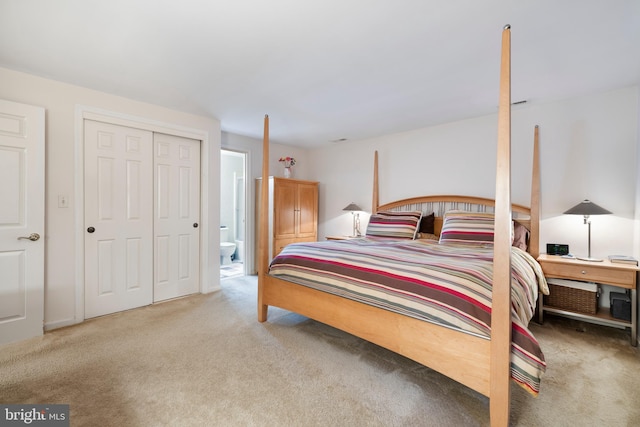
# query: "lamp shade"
{"type": "Point", "coordinates": [587, 207]}
{"type": "Point", "coordinates": [352, 207]}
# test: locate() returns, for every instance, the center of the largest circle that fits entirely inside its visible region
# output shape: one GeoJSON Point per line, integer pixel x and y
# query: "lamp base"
{"type": "Point", "coordinates": [589, 259]}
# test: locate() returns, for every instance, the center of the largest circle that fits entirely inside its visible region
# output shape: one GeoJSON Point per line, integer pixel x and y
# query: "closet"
{"type": "Point", "coordinates": [293, 212]}
{"type": "Point", "coordinates": [141, 217]}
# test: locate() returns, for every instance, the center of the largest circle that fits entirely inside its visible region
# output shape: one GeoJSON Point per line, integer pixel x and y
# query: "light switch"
{"type": "Point", "coordinates": [63, 201]}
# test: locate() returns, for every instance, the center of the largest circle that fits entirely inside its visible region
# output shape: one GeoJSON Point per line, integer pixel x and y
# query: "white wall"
{"type": "Point", "coordinates": [253, 147]}
{"type": "Point", "coordinates": [60, 101]}
{"type": "Point", "coordinates": [589, 149]}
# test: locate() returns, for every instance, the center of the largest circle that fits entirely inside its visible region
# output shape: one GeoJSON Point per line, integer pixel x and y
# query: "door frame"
{"type": "Point", "coordinates": [83, 113]}
{"type": "Point", "coordinates": [248, 207]}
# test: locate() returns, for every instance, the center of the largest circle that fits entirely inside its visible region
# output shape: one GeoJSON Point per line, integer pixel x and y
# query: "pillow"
{"type": "Point", "coordinates": [520, 236]}
{"type": "Point", "coordinates": [426, 223]}
{"type": "Point", "coordinates": [468, 227]}
{"type": "Point", "coordinates": [400, 225]}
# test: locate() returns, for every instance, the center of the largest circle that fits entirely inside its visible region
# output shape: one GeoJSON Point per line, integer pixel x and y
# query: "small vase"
{"type": "Point", "coordinates": [287, 172]}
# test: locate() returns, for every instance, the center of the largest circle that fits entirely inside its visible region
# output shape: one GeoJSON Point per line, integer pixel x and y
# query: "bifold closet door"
{"type": "Point", "coordinates": [118, 222]}
{"type": "Point", "coordinates": [177, 216]}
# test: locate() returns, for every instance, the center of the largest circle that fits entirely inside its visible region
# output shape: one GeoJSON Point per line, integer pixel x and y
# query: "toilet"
{"type": "Point", "coordinates": [226, 248]}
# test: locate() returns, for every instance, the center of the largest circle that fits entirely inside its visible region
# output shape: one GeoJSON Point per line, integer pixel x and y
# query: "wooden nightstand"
{"type": "Point", "coordinates": [619, 275]}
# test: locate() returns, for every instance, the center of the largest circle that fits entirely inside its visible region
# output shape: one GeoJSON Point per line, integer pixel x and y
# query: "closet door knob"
{"type": "Point", "coordinates": [90, 230]}
{"type": "Point", "coordinates": [195, 225]}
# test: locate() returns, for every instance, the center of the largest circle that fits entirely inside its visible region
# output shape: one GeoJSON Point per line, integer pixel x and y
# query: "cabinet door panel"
{"type": "Point", "coordinates": [308, 210]}
{"type": "Point", "coordinates": [285, 210]}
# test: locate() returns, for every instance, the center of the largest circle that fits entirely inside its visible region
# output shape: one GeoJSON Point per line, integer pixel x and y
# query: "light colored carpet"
{"type": "Point", "coordinates": [206, 361]}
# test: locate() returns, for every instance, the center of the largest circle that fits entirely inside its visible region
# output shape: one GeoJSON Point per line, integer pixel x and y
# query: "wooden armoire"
{"type": "Point", "coordinates": [293, 212]}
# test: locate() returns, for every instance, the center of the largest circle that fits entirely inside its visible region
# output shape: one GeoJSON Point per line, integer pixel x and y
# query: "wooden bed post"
{"type": "Point", "coordinates": [499, 395]}
{"type": "Point", "coordinates": [263, 238]}
{"type": "Point", "coordinates": [375, 199]}
{"type": "Point", "coordinates": [534, 243]}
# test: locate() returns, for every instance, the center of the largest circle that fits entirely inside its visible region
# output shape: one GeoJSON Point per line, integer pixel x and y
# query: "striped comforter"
{"type": "Point", "coordinates": [448, 284]}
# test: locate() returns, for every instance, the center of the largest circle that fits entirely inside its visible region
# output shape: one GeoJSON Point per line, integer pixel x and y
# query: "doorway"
{"type": "Point", "coordinates": [233, 213]}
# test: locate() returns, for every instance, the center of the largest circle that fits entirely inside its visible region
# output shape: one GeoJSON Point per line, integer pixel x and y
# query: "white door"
{"type": "Point", "coordinates": [177, 216]}
{"type": "Point", "coordinates": [21, 221]}
{"type": "Point", "coordinates": [118, 218]}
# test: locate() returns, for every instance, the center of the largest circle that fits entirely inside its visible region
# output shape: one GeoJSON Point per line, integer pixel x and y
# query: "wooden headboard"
{"type": "Point", "coordinates": [443, 203]}
{"type": "Point", "coordinates": [527, 216]}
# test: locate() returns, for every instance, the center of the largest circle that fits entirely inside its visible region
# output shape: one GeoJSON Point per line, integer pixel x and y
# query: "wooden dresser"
{"type": "Point", "coordinates": [293, 212]}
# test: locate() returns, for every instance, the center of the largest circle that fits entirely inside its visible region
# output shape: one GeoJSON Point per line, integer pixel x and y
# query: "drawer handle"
{"type": "Point", "coordinates": [583, 272]}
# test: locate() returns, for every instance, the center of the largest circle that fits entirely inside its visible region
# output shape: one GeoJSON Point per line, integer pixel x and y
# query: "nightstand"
{"type": "Point", "coordinates": [619, 275]}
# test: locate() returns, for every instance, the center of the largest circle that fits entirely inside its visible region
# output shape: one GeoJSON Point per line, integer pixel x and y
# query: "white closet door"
{"type": "Point", "coordinates": [118, 218]}
{"type": "Point", "coordinates": [177, 216]}
{"type": "Point", "coordinates": [22, 156]}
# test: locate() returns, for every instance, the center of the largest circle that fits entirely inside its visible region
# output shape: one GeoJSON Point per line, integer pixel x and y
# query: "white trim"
{"type": "Point", "coordinates": [84, 112]}
{"type": "Point", "coordinates": [249, 239]}
{"type": "Point", "coordinates": [143, 123]}
{"type": "Point", "coordinates": [49, 326]}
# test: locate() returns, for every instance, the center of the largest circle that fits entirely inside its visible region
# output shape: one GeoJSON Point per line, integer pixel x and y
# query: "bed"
{"type": "Point", "coordinates": [476, 350]}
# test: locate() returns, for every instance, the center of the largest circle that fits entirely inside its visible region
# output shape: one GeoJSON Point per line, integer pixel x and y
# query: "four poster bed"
{"type": "Point", "coordinates": [459, 305]}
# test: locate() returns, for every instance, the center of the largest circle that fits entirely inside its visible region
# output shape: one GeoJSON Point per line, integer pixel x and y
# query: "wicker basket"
{"type": "Point", "coordinates": [581, 297]}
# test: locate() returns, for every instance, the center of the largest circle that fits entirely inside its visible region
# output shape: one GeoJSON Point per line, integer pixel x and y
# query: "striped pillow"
{"type": "Point", "coordinates": [401, 225]}
{"type": "Point", "coordinates": [468, 227]}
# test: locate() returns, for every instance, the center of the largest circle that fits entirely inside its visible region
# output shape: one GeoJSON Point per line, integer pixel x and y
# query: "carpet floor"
{"type": "Point", "coordinates": [204, 360]}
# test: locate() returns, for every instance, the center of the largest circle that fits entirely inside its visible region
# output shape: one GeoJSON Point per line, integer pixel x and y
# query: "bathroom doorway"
{"type": "Point", "coordinates": [233, 213]}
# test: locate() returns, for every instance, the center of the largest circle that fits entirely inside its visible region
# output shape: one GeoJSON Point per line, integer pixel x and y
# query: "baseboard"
{"type": "Point", "coordinates": [60, 324]}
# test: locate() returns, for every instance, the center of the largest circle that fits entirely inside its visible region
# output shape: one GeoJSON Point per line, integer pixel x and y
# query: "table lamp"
{"type": "Point", "coordinates": [356, 218]}
{"type": "Point", "coordinates": [587, 208]}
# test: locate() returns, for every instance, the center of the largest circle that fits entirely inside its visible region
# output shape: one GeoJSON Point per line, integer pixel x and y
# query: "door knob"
{"type": "Point", "coordinates": [195, 225]}
{"type": "Point", "coordinates": [33, 237]}
{"type": "Point", "coordinates": [90, 230]}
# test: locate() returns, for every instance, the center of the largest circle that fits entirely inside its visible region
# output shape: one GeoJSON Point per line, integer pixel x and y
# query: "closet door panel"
{"type": "Point", "coordinates": [177, 216]}
{"type": "Point", "coordinates": [118, 218]}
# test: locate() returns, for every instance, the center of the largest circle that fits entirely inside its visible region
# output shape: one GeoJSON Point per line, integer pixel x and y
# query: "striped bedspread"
{"type": "Point", "coordinates": [448, 284]}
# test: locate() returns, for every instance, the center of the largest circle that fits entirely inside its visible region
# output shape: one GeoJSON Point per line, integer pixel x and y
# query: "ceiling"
{"type": "Point", "coordinates": [325, 70]}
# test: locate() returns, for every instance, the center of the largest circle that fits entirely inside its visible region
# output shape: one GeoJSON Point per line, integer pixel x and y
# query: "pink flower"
{"type": "Point", "coordinates": [288, 161]}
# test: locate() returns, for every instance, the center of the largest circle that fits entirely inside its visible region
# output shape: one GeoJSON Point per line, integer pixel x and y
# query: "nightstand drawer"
{"type": "Point", "coordinates": [617, 277]}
